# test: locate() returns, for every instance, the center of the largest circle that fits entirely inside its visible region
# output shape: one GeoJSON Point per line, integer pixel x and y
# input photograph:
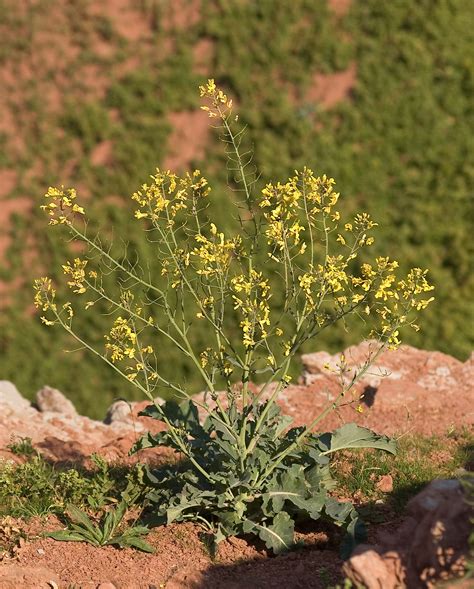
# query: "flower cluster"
{"type": "Point", "coordinates": [306, 282]}
{"type": "Point", "coordinates": [121, 341]}
{"type": "Point", "coordinates": [400, 298]}
{"type": "Point", "coordinates": [319, 193]}
{"type": "Point", "coordinates": [381, 278]}
{"type": "Point", "coordinates": [251, 296]}
{"type": "Point", "coordinates": [414, 285]}
{"type": "Point", "coordinates": [359, 227]}
{"type": "Point", "coordinates": [142, 366]}
{"type": "Point", "coordinates": [214, 255]}
{"type": "Point", "coordinates": [331, 278]}
{"type": "Point", "coordinates": [284, 204]}
{"type": "Point", "coordinates": [280, 205]}
{"type": "Point", "coordinates": [209, 358]}
{"type": "Point", "coordinates": [168, 194]}
{"type": "Point", "coordinates": [61, 206]}
{"type": "Point", "coordinates": [334, 273]}
{"type": "Point", "coordinates": [45, 294]}
{"type": "Point", "coordinates": [76, 271]}
{"type": "Point", "coordinates": [221, 106]}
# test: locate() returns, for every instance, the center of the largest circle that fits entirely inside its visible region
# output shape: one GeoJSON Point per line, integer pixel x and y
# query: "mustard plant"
{"type": "Point", "coordinates": [245, 469]}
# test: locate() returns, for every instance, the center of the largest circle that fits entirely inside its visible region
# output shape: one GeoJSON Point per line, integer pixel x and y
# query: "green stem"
{"type": "Point", "coordinates": [330, 407]}
{"type": "Point", "coordinates": [171, 428]}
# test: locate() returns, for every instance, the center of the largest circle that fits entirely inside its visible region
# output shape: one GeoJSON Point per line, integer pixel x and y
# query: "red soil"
{"type": "Point", "coordinates": [330, 89]}
{"type": "Point", "coordinates": [340, 7]}
{"type": "Point", "coordinates": [188, 139]}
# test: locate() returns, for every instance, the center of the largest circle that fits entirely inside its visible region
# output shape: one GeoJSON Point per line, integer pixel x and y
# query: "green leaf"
{"type": "Point", "coordinates": [119, 513]}
{"type": "Point", "coordinates": [108, 525]}
{"type": "Point", "coordinates": [152, 411]}
{"type": "Point", "coordinates": [70, 536]}
{"type": "Point", "coordinates": [320, 477]}
{"type": "Point", "coordinates": [134, 541]}
{"type": "Point", "coordinates": [94, 537]}
{"type": "Point", "coordinates": [137, 531]}
{"type": "Point", "coordinates": [355, 534]}
{"type": "Point", "coordinates": [147, 440]}
{"type": "Point", "coordinates": [174, 512]}
{"type": "Point", "coordinates": [290, 485]}
{"type": "Point", "coordinates": [312, 505]}
{"type": "Point", "coordinates": [78, 516]}
{"type": "Point", "coordinates": [278, 537]}
{"type": "Point", "coordinates": [352, 435]}
{"type": "Point", "coordinates": [338, 510]}
{"type": "Point", "coordinates": [140, 544]}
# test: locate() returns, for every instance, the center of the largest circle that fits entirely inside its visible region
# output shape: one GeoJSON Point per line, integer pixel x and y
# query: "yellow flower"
{"type": "Point", "coordinates": [121, 340]}
{"type": "Point", "coordinates": [46, 321]}
{"type": "Point", "coordinates": [61, 206]}
{"type": "Point", "coordinates": [306, 282]}
{"type": "Point", "coordinates": [221, 106]}
{"type": "Point", "coordinates": [76, 271]}
{"type": "Point", "coordinates": [167, 194]}
{"type": "Point", "coordinates": [215, 255]}
{"type": "Point", "coordinates": [251, 294]}
{"type": "Point", "coordinates": [45, 294]}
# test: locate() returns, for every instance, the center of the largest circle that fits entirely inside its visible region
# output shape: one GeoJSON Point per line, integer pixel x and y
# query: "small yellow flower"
{"type": "Point", "coordinates": [121, 340]}
{"type": "Point", "coordinates": [76, 271]}
{"type": "Point", "coordinates": [221, 106]}
{"type": "Point", "coordinates": [45, 294]}
{"type": "Point", "coordinates": [61, 206]}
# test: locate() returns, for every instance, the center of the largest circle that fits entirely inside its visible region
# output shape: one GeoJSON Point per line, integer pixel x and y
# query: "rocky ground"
{"type": "Point", "coordinates": [408, 390]}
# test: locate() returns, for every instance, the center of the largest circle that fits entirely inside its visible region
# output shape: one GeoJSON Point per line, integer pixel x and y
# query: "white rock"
{"type": "Point", "coordinates": [118, 411]}
{"type": "Point", "coordinates": [10, 396]}
{"type": "Point", "coordinates": [49, 399]}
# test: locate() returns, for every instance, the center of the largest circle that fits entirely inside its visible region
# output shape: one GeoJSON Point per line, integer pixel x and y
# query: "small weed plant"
{"type": "Point", "coordinates": [244, 469]}
{"type": "Point", "coordinates": [83, 529]}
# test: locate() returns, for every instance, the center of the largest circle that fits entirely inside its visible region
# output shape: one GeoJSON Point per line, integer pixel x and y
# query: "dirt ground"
{"type": "Point", "coordinates": [181, 560]}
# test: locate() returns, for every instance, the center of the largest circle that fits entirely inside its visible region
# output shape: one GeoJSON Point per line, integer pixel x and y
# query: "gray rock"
{"type": "Point", "coordinates": [9, 395]}
{"type": "Point", "coordinates": [49, 399]}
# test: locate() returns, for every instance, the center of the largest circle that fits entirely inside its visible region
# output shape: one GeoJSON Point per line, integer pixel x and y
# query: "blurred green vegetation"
{"type": "Point", "coordinates": [398, 147]}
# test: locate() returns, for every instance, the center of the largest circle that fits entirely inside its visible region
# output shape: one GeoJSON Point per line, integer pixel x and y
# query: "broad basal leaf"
{"type": "Point", "coordinates": [352, 435]}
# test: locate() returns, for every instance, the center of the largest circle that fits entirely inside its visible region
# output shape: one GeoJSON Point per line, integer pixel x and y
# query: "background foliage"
{"type": "Point", "coordinates": [398, 145]}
